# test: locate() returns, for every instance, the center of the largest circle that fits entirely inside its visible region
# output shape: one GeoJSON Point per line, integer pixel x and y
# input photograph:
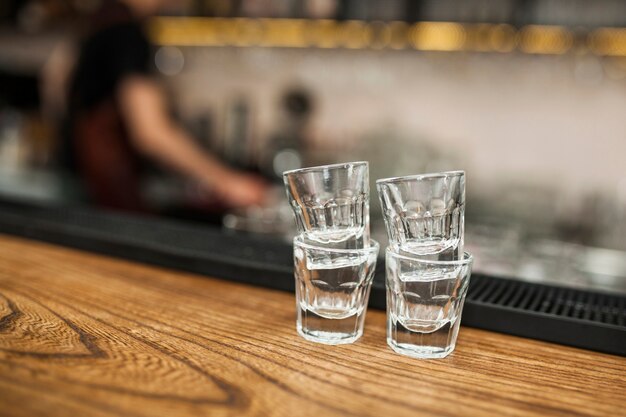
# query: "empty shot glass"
{"type": "Point", "coordinates": [425, 214]}
{"type": "Point", "coordinates": [331, 204]}
{"type": "Point", "coordinates": [332, 290]}
{"type": "Point", "coordinates": [424, 303]}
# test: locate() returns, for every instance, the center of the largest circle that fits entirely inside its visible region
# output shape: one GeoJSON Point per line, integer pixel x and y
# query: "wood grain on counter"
{"type": "Point", "coordinates": [87, 335]}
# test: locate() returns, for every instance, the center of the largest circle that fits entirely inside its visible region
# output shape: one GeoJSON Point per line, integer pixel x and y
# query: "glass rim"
{"type": "Point", "coordinates": [468, 258]}
{"type": "Point", "coordinates": [374, 247]}
{"type": "Point", "coordinates": [443, 174]}
{"type": "Point", "coordinates": [320, 168]}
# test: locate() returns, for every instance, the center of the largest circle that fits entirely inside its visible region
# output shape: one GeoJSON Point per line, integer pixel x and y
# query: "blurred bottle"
{"type": "Point", "coordinates": [237, 145]}
{"type": "Point", "coordinates": [12, 153]}
{"type": "Point", "coordinates": [284, 149]}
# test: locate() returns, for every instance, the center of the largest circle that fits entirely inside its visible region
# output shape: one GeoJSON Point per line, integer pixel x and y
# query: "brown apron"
{"type": "Point", "coordinates": [107, 162]}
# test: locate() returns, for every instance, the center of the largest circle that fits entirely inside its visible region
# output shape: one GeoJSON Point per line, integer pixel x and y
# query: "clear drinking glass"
{"type": "Point", "coordinates": [424, 303]}
{"type": "Point", "coordinates": [425, 214]}
{"type": "Point", "coordinates": [332, 290]}
{"type": "Point", "coordinates": [331, 204]}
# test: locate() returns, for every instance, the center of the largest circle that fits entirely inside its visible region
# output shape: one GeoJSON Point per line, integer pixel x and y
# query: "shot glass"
{"type": "Point", "coordinates": [424, 303]}
{"type": "Point", "coordinates": [331, 204]}
{"type": "Point", "coordinates": [332, 290]}
{"type": "Point", "coordinates": [425, 214]}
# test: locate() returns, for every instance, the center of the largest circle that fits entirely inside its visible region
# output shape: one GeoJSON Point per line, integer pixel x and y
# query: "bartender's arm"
{"type": "Point", "coordinates": [157, 136]}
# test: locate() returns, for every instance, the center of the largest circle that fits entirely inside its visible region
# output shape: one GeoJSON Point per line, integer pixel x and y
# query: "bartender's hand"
{"type": "Point", "coordinates": [238, 189]}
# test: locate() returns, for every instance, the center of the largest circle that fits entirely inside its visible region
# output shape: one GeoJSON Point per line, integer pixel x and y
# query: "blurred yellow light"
{"type": "Point", "coordinates": [426, 36]}
{"type": "Point", "coordinates": [323, 33]}
{"type": "Point", "coordinates": [244, 32]}
{"type": "Point", "coordinates": [284, 33]}
{"type": "Point", "coordinates": [608, 41]}
{"type": "Point", "coordinates": [355, 34]}
{"type": "Point", "coordinates": [502, 38]}
{"type": "Point", "coordinates": [535, 39]}
{"type": "Point", "coordinates": [437, 36]}
{"type": "Point", "coordinates": [185, 31]}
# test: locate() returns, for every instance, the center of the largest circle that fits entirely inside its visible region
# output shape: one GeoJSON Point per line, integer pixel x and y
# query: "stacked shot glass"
{"type": "Point", "coordinates": [427, 271]}
{"type": "Point", "coordinates": [334, 256]}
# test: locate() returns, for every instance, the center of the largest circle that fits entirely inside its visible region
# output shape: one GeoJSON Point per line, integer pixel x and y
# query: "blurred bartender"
{"type": "Point", "coordinates": [118, 115]}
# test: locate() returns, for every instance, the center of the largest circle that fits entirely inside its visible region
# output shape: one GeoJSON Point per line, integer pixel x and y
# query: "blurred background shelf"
{"type": "Point", "coordinates": [358, 34]}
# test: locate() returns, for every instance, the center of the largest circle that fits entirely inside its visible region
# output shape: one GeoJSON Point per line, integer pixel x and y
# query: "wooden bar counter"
{"type": "Point", "coordinates": [87, 335]}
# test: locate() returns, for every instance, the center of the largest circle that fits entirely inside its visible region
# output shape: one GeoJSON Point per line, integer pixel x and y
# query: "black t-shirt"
{"type": "Point", "coordinates": [115, 48]}
{"type": "Point", "coordinates": [106, 58]}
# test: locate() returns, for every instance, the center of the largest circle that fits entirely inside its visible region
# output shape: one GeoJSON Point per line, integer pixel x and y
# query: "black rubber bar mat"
{"type": "Point", "coordinates": [575, 317]}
